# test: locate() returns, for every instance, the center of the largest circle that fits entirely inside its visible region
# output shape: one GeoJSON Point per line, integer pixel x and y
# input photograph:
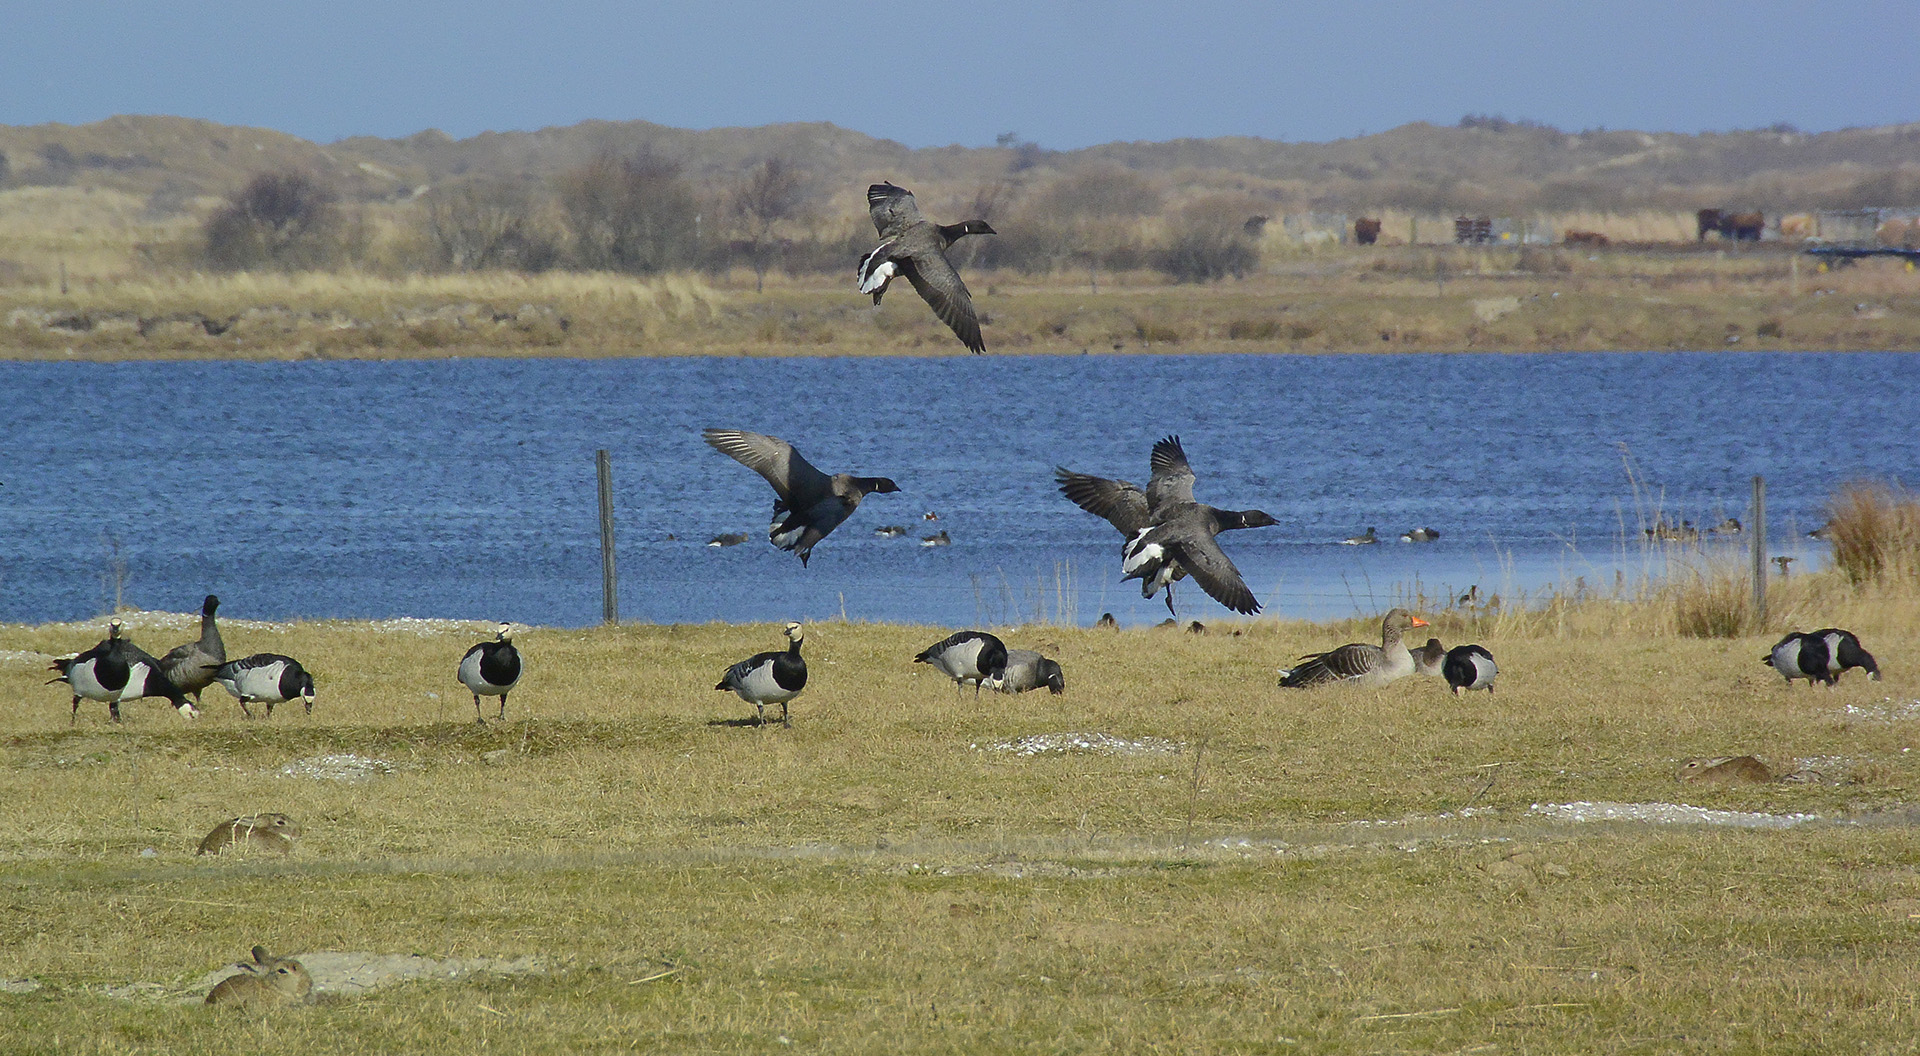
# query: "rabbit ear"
{"type": "Point", "coordinates": [260, 955]}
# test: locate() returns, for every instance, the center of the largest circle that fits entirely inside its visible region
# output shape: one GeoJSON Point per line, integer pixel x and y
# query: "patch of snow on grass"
{"type": "Point", "coordinates": [348, 767]}
{"type": "Point", "coordinates": [1096, 743]}
{"type": "Point", "coordinates": [1888, 710]}
{"type": "Point", "coordinates": [1666, 814]}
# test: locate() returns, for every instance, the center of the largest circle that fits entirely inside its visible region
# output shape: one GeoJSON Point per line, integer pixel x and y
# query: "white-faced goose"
{"type": "Point", "coordinates": [191, 667]}
{"type": "Point", "coordinates": [1359, 662]}
{"type": "Point", "coordinates": [968, 656]}
{"type": "Point", "coordinates": [915, 247]}
{"type": "Point", "coordinates": [1361, 540]}
{"type": "Point", "coordinates": [491, 669]}
{"type": "Point", "coordinates": [114, 670]}
{"type": "Point", "coordinates": [1025, 670]}
{"type": "Point", "coordinates": [1821, 655]}
{"type": "Point", "coordinates": [1169, 535]}
{"type": "Point", "coordinates": [1418, 535]}
{"type": "Point", "coordinates": [808, 504]}
{"type": "Point", "coordinates": [770, 678]}
{"type": "Point", "coordinates": [1469, 667]}
{"type": "Point", "coordinates": [1428, 658]}
{"type": "Point", "coordinates": [266, 678]}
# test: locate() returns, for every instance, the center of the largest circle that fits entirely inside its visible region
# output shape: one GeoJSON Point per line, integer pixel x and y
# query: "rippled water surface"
{"type": "Point", "coordinates": [465, 488]}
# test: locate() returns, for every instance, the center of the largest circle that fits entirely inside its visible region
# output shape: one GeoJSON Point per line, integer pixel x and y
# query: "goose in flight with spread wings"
{"type": "Point", "coordinates": [915, 247]}
{"type": "Point", "coordinates": [807, 503]}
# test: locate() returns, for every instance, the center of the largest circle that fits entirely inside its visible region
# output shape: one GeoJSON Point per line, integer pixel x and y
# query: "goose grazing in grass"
{"type": "Point", "coordinates": [191, 667]}
{"type": "Point", "coordinates": [1469, 667]}
{"type": "Point", "coordinates": [1428, 658]}
{"type": "Point", "coordinates": [1822, 655]}
{"type": "Point", "coordinates": [915, 247]}
{"type": "Point", "coordinates": [491, 669]}
{"type": "Point", "coordinates": [1026, 670]}
{"type": "Point", "coordinates": [1360, 662]}
{"type": "Point", "coordinates": [968, 656]}
{"type": "Point", "coordinates": [1169, 535]}
{"type": "Point", "coordinates": [770, 678]}
{"type": "Point", "coordinates": [266, 678]}
{"type": "Point", "coordinates": [1362, 540]}
{"type": "Point", "coordinates": [114, 670]}
{"type": "Point", "coordinates": [808, 504]}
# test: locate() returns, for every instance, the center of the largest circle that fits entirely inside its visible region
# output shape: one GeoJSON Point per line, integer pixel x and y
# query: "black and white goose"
{"type": "Point", "coordinates": [191, 667]}
{"type": "Point", "coordinates": [1360, 662]}
{"type": "Point", "coordinates": [1822, 655]}
{"type": "Point", "coordinates": [1026, 670]}
{"type": "Point", "coordinates": [266, 678]}
{"type": "Point", "coordinates": [968, 656]}
{"type": "Point", "coordinates": [491, 669]}
{"type": "Point", "coordinates": [914, 247]}
{"type": "Point", "coordinates": [770, 678]}
{"type": "Point", "coordinates": [114, 670]}
{"type": "Point", "coordinates": [808, 504]}
{"type": "Point", "coordinates": [1428, 658]}
{"type": "Point", "coordinates": [1169, 535]}
{"type": "Point", "coordinates": [1469, 667]}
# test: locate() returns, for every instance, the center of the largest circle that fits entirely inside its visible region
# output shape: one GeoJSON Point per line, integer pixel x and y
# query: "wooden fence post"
{"type": "Point", "coordinates": [1759, 515]}
{"type": "Point", "coordinates": [609, 583]}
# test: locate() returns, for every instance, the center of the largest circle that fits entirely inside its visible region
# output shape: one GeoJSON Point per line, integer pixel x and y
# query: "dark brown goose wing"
{"type": "Point", "coordinates": [1172, 480]}
{"type": "Point", "coordinates": [892, 208]}
{"type": "Point", "coordinates": [1123, 504]}
{"type": "Point", "coordinates": [1200, 554]}
{"type": "Point", "coordinates": [793, 478]}
{"type": "Point", "coordinates": [940, 286]}
{"type": "Point", "coordinates": [1334, 665]}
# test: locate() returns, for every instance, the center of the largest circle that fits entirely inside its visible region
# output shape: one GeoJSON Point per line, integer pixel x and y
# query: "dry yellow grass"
{"type": "Point", "coordinates": [1298, 875]}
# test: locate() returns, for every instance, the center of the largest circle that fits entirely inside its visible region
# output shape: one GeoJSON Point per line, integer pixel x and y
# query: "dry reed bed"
{"type": "Point", "coordinates": [880, 879]}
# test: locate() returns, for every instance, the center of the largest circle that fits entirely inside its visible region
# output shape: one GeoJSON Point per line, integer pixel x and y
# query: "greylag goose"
{"type": "Point", "coordinates": [1428, 658]}
{"type": "Point", "coordinates": [808, 504]}
{"type": "Point", "coordinates": [915, 247]}
{"type": "Point", "coordinates": [1361, 540]}
{"type": "Point", "coordinates": [191, 667]}
{"type": "Point", "coordinates": [1418, 535]}
{"type": "Point", "coordinates": [114, 670]}
{"type": "Point", "coordinates": [1821, 655]}
{"type": "Point", "coordinates": [968, 656]}
{"type": "Point", "coordinates": [1168, 535]}
{"type": "Point", "coordinates": [1469, 667]}
{"type": "Point", "coordinates": [266, 678]}
{"type": "Point", "coordinates": [1025, 670]}
{"type": "Point", "coordinates": [491, 669]}
{"type": "Point", "coordinates": [771, 677]}
{"type": "Point", "coordinates": [1359, 662]}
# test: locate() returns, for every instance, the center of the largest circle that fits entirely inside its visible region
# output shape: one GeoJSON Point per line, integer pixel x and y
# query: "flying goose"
{"type": "Point", "coordinates": [1427, 658]}
{"type": "Point", "coordinates": [1359, 662]}
{"type": "Point", "coordinates": [1169, 535]}
{"type": "Point", "coordinates": [191, 667]}
{"type": "Point", "coordinates": [1361, 540]}
{"type": "Point", "coordinates": [915, 247]}
{"type": "Point", "coordinates": [1416, 535]}
{"type": "Point", "coordinates": [1025, 670]}
{"type": "Point", "coordinates": [114, 670]}
{"type": "Point", "coordinates": [1822, 655]}
{"type": "Point", "coordinates": [968, 656]}
{"type": "Point", "coordinates": [266, 678]}
{"type": "Point", "coordinates": [808, 504]}
{"type": "Point", "coordinates": [770, 678]}
{"type": "Point", "coordinates": [1469, 667]}
{"type": "Point", "coordinates": [491, 669]}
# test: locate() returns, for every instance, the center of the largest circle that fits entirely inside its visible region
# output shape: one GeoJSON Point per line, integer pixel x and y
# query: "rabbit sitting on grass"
{"type": "Point", "coordinates": [267, 982]}
{"type": "Point", "coordinates": [256, 834]}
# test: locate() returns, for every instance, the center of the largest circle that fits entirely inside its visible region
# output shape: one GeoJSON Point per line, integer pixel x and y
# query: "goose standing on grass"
{"type": "Point", "coordinates": [1428, 658]}
{"type": "Point", "coordinates": [1169, 535]}
{"type": "Point", "coordinates": [1359, 662]}
{"type": "Point", "coordinates": [491, 669]}
{"type": "Point", "coordinates": [1025, 670]}
{"type": "Point", "coordinates": [1469, 667]}
{"type": "Point", "coordinates": [770, 678]}
{"type": "Point", "coordinates": [114, 670]}
{"type": "Point", "coordinates": [808, 504]}
{"type": "Point", "coordinates": [191, 667]}
{"type": "Point", "coordinates": [915, 247]}
{"type": "Point", "coordinates": [1822, 655]}
{"type": "Point", "coordinates": [968, 656]}
{"type": "Point", "coordinates": [266, 678]}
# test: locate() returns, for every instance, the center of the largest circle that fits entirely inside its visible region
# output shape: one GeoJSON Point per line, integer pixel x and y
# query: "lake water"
{"type": "Point", "coordinates": [465, 488]}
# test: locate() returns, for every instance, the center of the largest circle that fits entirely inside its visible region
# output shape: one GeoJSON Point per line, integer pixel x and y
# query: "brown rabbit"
{"type": "Point", "coordinates": [268, 981]}
{"type": "Point", "coordinates": [1740, 770]}
{"type": "Point", "coordinates": [255, 834]}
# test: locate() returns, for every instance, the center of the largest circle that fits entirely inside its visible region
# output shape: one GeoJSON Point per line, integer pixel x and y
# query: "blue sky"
{"type": "Point", "coordinates": [1061, 74]}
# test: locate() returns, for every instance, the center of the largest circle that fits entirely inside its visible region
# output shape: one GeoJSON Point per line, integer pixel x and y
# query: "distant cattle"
{"type": "Point", "coordinates": [1472, 229]}
{"type": "Point", "coordinates": [1740, 227]}
{"type": "Point", "coordinates": [1366, 231]}
{"type": "Point", "coordinates": [1585, 238]}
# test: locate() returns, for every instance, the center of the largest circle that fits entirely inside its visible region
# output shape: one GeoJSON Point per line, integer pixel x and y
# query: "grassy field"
{"type": "Point", "coordinates": [1258, 871]}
